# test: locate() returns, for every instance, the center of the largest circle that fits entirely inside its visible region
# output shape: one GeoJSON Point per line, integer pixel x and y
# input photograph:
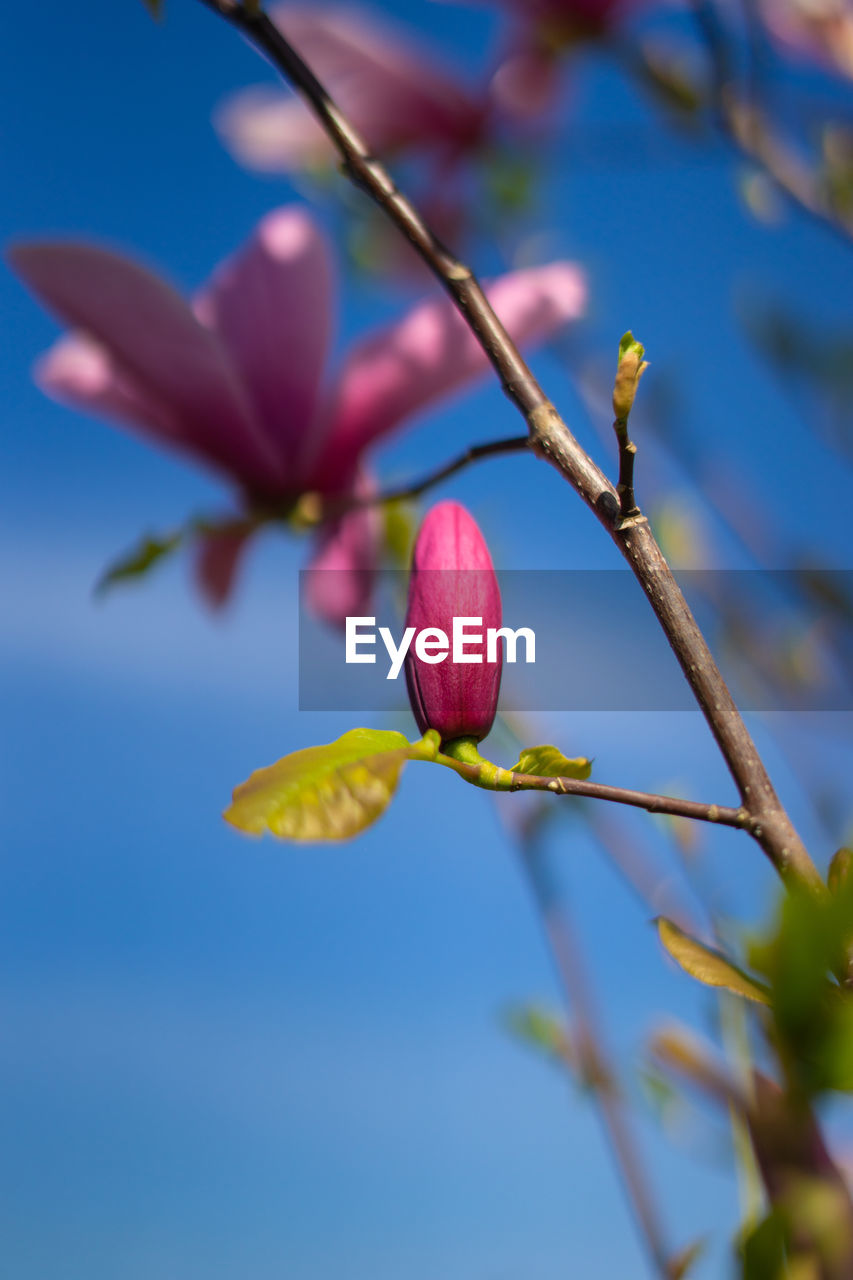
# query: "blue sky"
{"type": "Point", "coordinates": [225, 1059]}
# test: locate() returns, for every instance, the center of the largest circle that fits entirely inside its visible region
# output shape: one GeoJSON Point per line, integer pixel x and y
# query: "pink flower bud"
{"type": "Point", "coordinates": [453, 577]}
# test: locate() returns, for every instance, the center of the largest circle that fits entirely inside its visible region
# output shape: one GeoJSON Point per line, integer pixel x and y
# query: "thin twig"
{"type": "Point", "coordinates": [552, 439]}
{"type": "Point", "coordinates": [596, 1069]}
{"type": "Point", "coordinates": [492, 449]}
{"type": "Point", "coordinates": [625, 488]}
{"type": "Point", "coordinates": [720, 815]}
{"type": "Point", "coordinates": [510, 780]}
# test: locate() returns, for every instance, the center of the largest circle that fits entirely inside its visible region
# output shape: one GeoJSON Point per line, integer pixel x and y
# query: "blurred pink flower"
{"type": "Point", "coordinates": [393, 93]}
{"type": "Point", "coordinates": [237, 379]}
{"type": "Point", "coordinates": [526, 81]}
{"type": "Point", "coordinates": [820, 30]}
{"type": "Point", "coordinates": [452, 577]}
{"type": "Point", "coordinates": [571, 19]}
{"type": "Point", "coordinates": [557, 22]}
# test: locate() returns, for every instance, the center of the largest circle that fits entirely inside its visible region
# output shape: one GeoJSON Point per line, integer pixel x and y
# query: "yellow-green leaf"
{"type": "Point", "coordinates": [136, 562]}
{"type": "Point", "coordinates": [540, 1028]}
{"type": "Point", "coordinates": [548, 762]}
{"type": "Point", "coordinates": [707, 965]}
{"type": "Point", "coordinates": [330, 792]}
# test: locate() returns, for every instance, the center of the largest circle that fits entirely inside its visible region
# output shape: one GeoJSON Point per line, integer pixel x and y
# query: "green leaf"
{"type": "Point", "coordinates": [812, 1012]}
{"type": "Point", "coordinates": [136, 562]}
{"type": "Point", "coordinates": [324, 793]}
{"type": "Point", "coordinates": [835, 1054]}
{"type": "Point", "coordinates": [628, 343]}
{"type": "Point", "coordinates": [540, 1028]}
{"type": "Point", "coordinates": [548, 762]}
{"type": "Point", "coordinates": [659, 1093]}
{"type": "Point", "coordinates": [706, 965]}
{"type": "Point", "coordinates": [763, 1249]}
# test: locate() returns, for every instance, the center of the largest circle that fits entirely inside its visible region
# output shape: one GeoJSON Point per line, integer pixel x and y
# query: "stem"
{"type": "Point", "coordinates": [721, 815]}
{"type": "Point", "coordinates": [493, 778]}
{"type": "Point", "coordinates": [595, 1067]}
{"type": "Point", "coordinates": [492, 449]}
{"type": "Point", "coordinates": [625, 488]}
{"type": "Point", "coordinates": [552, 439]}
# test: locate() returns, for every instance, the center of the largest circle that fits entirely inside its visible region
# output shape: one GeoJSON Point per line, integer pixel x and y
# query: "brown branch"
{"type": "Point", "coordinates": [552, 439]}
{"type": "Point", "coordinates": [492, 449]}
{"type": "Point", "coordinates": [721, 815]}
{"type": "Point", "coordinates": [492, 778]}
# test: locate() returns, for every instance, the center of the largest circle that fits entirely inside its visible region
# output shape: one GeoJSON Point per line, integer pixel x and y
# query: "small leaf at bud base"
{"type": "Point", "coordinates": [453, 577]}
{"type": "Point", "coordinates": [548, 762]}
{"type": "Point", "coordinates": [629, 370]}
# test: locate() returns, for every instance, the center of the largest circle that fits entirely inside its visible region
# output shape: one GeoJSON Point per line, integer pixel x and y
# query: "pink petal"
{"type": "Point", "coordinates": [157, 346]}
{"type": "Point", "coordinates": [401, 371]}
{"type": "Point", "coordinates": [271, 304]}
{"type": "Point", "coordinates": [589, 11]}
{"type": "Point", "coordinates": [567, 19]}
{"type": "Point", "coordinates": [79, 372]}
{"type": "Point", "coordinates": [822, 31]}
{"type": "Point", "coordinates": [265, 130]}
{"type": "Point", "coordinates": [525, 85]}
{"type": "Point", "coordinates": [341, 574]}
{"type": "Point", "coordinates": [218, 558]}
{"type": "Point", "coordinates": [390, 90]}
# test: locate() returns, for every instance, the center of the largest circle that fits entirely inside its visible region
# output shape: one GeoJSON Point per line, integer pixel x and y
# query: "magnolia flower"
{"type": "Point", "coordinates": [452, 577]}
{"type": "Point", "coordinates": [526, 82]}
{"type": "Point", "coordinates": [394, 95]}
{"type": "Point", "coordinates": [559, 22]}
{"type": "Point", "coordinates": [821, 30]}
{"type": "Point", "coordinates": [571, 18]}
{"type": "Point", "coordinates": [237, 379]}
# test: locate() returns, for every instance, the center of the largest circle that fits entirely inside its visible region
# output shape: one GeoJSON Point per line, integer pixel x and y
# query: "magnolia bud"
{"type": "Point", "coordinates": [453, 577]}
{"type": "Point", "coordinates": [629, 370]}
